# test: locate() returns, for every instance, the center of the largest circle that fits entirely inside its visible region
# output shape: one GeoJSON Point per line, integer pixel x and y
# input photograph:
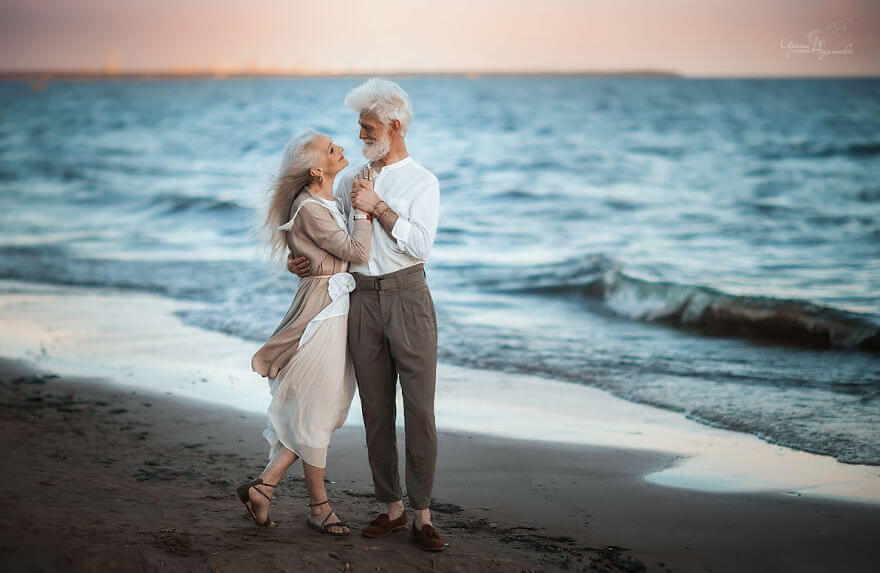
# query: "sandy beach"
{"type": "Point", "coordinates": [102, 478]}
{"type": "Point", "coordinates": [115, 462]}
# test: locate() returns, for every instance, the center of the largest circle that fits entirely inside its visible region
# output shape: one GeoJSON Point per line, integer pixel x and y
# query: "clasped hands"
{"type": "Point", "coordinates": [363, 196]}
{"type": "Point", "coordinates": [363, 199]}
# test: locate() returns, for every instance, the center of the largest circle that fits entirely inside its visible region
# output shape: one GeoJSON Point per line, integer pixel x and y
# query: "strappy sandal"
{"type": "Point", "coordinates": [324, 527]}
{"type": "Point", "coordinates": [243, 495]}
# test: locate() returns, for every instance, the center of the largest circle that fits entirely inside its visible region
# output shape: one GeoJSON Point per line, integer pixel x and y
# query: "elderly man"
{"type": "Point", "coordinates": [392, 327]}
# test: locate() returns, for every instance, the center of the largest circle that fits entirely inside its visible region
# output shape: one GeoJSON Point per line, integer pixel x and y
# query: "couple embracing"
{"type": "Point", "coordinates": [362, 316]}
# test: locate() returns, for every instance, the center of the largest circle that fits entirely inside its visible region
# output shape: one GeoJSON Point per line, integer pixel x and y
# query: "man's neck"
{"type": "Point", "coordinates": [393, 156]}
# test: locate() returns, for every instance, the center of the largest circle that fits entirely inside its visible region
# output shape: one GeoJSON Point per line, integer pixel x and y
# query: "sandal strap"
{"type": "Point", "coordinates": [317, 504]}
{"type": "Point", "coordinates": [259, 481]}
{"type": "Point", "coordinates": [325, 526]}
{"type": "Point", "coordinates": [260, 492]}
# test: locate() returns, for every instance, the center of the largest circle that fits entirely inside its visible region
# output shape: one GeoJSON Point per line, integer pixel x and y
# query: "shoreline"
{"type": "Point", "coordinates": [137, 340]}
{"type": "Point", "coordinates": [134, 428]}
{"type": "Point", "coordinates": [139, 480]}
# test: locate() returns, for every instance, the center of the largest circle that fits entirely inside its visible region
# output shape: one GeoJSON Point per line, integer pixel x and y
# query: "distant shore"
{"type": "Point", "coordinates": [97, 75]}
{"type": "Point", "coordinates": [48, 75]}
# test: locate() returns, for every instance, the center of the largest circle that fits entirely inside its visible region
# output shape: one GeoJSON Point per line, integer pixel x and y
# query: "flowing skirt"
{"type": "Point", "coordinates": [312, 393]}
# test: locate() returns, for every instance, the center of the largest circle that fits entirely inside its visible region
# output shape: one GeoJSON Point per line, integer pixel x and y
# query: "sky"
{"type": "Point", "coordinates": [694, 38]}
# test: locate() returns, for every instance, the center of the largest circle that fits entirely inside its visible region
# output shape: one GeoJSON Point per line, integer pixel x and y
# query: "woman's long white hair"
{"type": "Point", "coordinates": [292, 177]}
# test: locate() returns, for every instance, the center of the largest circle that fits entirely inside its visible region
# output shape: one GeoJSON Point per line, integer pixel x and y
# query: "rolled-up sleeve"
{"type": "Point", "coordinates": [415, 231]}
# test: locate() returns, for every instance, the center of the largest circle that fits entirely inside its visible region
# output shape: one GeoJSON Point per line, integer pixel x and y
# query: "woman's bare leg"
{"type": "Point", "coordinates": [315, 484]}
{"type": "Point", "coordinates": [278, 465]}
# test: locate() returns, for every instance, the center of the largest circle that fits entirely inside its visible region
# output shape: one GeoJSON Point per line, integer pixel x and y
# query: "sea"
{"type": "Point", "coordinates": [707, 246]}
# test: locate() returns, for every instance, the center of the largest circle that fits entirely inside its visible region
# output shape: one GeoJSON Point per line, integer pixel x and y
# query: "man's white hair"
{"type": "Point", "coordinates": [384, 99]}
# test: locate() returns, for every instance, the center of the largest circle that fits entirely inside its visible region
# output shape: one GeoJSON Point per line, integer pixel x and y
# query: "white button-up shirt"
{"type": "Point", "coordinates": [413, 193]}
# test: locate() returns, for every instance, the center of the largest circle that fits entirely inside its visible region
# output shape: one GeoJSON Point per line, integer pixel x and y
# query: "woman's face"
{"type": "Point", "coordinates": [332, 159]}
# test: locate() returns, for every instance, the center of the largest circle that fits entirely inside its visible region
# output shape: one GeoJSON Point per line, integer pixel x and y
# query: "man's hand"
{"type": "Point", "coordinates": [299, 266]}
{"type": "Point", "coordinates": [363, 197]}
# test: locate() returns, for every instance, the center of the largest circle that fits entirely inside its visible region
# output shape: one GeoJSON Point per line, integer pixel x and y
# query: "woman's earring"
{"type": "Point", "coordinates": [320, 179]}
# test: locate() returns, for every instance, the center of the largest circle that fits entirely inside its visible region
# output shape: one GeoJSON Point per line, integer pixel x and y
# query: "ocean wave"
{"type": "Point", "coordinates": [45, 168]}
{"type": "Point", "coordinates": [517, 194]}
{"type": "Point", "coordinates": [815, 149]}
{"type": "Point", "coordinates": [8, 174]}
{"type": "Point", "coordinates": [170, 203]}
{"type": "Point", "coordinates": [707, 310]}
{"type": "Point", "coordinates": [868, 195]}
{"type": "Point", "coordinates": [188, 280]}
{"type": "Point", "coordinates": [670, 151]}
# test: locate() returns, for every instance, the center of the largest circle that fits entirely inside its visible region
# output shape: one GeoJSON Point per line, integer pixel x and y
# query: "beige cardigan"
{"type": "Point", "coordinates": [315, 234]}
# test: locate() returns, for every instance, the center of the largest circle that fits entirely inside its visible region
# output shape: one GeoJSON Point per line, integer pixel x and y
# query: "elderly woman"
{"type": "Point", "coordinates": [306, 359]}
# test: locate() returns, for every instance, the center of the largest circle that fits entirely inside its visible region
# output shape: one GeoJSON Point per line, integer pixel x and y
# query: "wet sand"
{"type": "Point", "coordinates": [98, 476]}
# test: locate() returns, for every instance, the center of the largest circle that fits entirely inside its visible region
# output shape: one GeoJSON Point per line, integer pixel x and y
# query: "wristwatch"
{"type": "Point", "coordinates": [366, 216]}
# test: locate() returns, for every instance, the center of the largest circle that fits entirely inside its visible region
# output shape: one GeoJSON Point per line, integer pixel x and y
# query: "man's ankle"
{"type": "Point", "coordinates": [422, 517]}
{"type": "Point", "coordinates": [394, 510]}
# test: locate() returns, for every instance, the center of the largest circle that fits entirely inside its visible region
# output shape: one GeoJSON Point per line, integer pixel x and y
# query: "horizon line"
{"type": "Point", "coordinates": [224, 72]}
{"type": "Point", "coordinates": [86, 73]}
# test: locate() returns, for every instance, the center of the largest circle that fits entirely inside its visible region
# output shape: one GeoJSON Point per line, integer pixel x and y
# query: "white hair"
{"type": "Point", "coordinates": [298, 152]}
{"type": "Point", "coordinates": [299, 156]}
{"type": "Point", "coordinates": [384, 99]}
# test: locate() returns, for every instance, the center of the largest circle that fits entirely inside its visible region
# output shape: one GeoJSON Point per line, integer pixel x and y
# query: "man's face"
{"type": "Point", "coordinates": [374, 134]}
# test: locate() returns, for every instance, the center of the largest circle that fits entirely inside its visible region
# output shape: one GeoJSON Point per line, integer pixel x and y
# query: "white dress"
{"type": "Point", "coordinates": [311, 396]}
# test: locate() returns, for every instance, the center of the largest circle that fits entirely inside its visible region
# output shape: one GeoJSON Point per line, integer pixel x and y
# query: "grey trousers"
{"type": "Point", "coordinates": [392, 331]}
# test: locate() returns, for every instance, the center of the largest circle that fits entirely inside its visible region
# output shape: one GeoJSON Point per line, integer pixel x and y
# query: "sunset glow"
{"type": "Point", "coordinates": [712, 38]}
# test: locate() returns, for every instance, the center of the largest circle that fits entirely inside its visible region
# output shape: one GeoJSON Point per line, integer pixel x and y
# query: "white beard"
{"type": "Point", "coordinates": [378, 150]}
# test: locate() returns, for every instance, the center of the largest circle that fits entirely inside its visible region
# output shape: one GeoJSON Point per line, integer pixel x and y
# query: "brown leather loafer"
{"type": "Point", "coordinates": [427, 538]}
{"type": "Point", "coordinates": [383, 525]}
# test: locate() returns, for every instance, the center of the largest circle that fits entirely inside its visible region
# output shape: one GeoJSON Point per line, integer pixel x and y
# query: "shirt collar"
{"type": "Point", "coordinates": [396, 164]}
